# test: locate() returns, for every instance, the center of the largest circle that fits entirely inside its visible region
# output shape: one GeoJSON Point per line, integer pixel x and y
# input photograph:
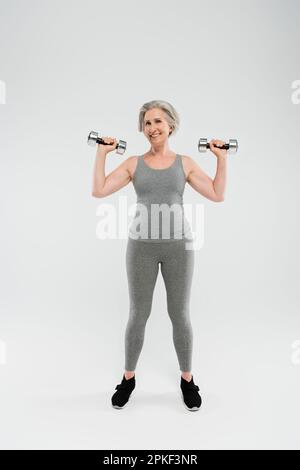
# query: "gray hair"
{"type": "Point", "coordinates": [171, 114]}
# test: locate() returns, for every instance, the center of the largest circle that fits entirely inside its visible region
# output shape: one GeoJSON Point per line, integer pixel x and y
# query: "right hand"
{"type": "Point", "coordinates": [108, 148]}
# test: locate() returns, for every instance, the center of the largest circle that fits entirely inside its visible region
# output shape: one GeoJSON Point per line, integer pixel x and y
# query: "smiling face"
{"type": "Point", "coordinates": [156, 127]}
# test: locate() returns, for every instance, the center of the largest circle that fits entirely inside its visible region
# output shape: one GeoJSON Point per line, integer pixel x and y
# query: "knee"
{"type": "Point", "coordinates": [138, 320]}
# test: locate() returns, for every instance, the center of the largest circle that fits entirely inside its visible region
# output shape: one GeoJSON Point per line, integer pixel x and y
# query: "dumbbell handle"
{"type": "Point", "coordinates": [225, 146]}
{"type": "Point", "coordinates": [231, 146]}
{"type": "Point", "coordinates": [101, 141]}
{"type": "Point", "coordinates": [94, 138]}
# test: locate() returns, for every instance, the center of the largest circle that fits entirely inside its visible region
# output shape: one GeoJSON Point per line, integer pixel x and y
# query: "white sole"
{"type": "Point", "coordinates": [121, 407]}
{"type": "Point", "coordinates": [195, 408]}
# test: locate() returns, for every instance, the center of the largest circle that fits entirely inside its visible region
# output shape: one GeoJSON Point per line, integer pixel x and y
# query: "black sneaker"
{"type": "Point", "coordinates": [124, 389]}
{"type": "Point", "coordinates": [191, 397]}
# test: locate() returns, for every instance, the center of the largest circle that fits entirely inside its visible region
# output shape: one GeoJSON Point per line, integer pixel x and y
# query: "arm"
{"type": "Point", "coordinates": [105, 185]}
{"type": "Point", "coordinates": [212, 189]}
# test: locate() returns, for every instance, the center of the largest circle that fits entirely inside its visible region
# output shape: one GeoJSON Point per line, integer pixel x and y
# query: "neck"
{"type": "Point", "coordinates": [160, 150]}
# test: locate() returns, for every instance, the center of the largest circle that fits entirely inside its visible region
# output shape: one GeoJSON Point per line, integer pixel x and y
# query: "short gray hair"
{"type": "Point", "coordinates": [171, 114]}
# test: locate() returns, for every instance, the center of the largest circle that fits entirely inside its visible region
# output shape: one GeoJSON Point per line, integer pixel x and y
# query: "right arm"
{"type": "Point", "coordinates": [105, 185]}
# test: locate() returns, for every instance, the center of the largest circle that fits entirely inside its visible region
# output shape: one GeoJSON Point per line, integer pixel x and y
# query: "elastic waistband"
{"type": "Point", "coordinates": [149, 240]}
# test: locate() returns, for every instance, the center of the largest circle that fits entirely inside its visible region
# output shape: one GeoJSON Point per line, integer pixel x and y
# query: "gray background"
{"type": "Point", "coordinates": [71, 67]}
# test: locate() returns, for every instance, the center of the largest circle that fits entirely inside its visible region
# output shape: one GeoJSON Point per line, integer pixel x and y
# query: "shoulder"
{"type": "Point", "coordinates": [188, 164]}
{"type": "Point", "coordinates": [130, 164]}
{"type": "Point", "coordinates": [130, 161]}
{"type": "Point", "coordinates": [187, 160]}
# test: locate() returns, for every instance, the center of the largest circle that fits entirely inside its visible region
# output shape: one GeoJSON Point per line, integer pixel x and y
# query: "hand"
{"type": "Point", "coordinates": [218, 152]}
{"type": "Point", "coordinates": [108, 140]}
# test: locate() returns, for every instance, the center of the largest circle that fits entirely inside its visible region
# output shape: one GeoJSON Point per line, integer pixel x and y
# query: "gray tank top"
{"type": "Point", "coordinates": [159, 212]}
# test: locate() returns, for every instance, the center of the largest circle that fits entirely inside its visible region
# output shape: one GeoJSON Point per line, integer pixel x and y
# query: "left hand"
{"type": "Point", "coordinates": [218, 152]}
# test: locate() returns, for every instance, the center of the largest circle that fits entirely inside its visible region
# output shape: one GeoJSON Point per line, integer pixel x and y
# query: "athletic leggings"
{"type": "Point", "coordinates": [177, 265]}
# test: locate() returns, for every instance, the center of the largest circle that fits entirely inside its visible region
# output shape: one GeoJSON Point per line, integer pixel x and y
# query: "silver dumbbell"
{"type": "Point", "coordinates": [94, 138]}
{"type": "Point", "coordinates": [232, 146]}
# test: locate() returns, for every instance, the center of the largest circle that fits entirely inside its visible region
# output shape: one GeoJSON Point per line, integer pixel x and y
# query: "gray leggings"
{"type": "Point", "coordinates": [177, 265]}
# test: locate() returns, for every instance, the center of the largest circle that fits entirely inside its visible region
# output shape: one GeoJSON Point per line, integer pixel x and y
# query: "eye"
{"type": "Point", "coordinates": [157, 120]}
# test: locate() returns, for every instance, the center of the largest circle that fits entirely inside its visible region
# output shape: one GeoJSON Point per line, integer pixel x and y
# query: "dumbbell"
{"type": "Point", "coordinates": [232, 146]}
{"type": "Point", "coordinates": [94, 138]}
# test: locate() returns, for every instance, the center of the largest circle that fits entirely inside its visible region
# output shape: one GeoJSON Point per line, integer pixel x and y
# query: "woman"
{"type": "Point", "coordinates": [159, 177]}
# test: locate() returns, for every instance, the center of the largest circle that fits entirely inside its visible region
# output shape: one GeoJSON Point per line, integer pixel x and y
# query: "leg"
{"type": "Point", "coordinates": [177, 270]}
{"type": "Point", "coordinates": [142, 270]}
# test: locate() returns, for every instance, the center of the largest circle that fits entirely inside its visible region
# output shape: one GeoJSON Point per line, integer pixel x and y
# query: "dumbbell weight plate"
{"type": "Point", "coordinates": [92, 137]}
{"type": "Point", "coordinates": [202, 145]}
{"type": "Point", "coordinates": [233, 146]}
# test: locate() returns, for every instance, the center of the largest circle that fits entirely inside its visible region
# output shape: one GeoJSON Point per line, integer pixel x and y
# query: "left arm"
{"type": "Point", "coordinates": [212, 189]}
{"type": "Point", "coordinates": [220, 178]}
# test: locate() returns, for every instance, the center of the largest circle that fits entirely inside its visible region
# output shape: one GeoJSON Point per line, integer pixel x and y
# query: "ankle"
{"type": "Point", "coordinates": [187, 376]}
{"type": "Point", "coordinates": [129, 374]}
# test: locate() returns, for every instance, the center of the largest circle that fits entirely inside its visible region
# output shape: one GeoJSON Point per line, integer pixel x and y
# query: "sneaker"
{"type": "Point", "coordinates": [124, 389]}
{"type": "Point", "coordinates": [191, 397]}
